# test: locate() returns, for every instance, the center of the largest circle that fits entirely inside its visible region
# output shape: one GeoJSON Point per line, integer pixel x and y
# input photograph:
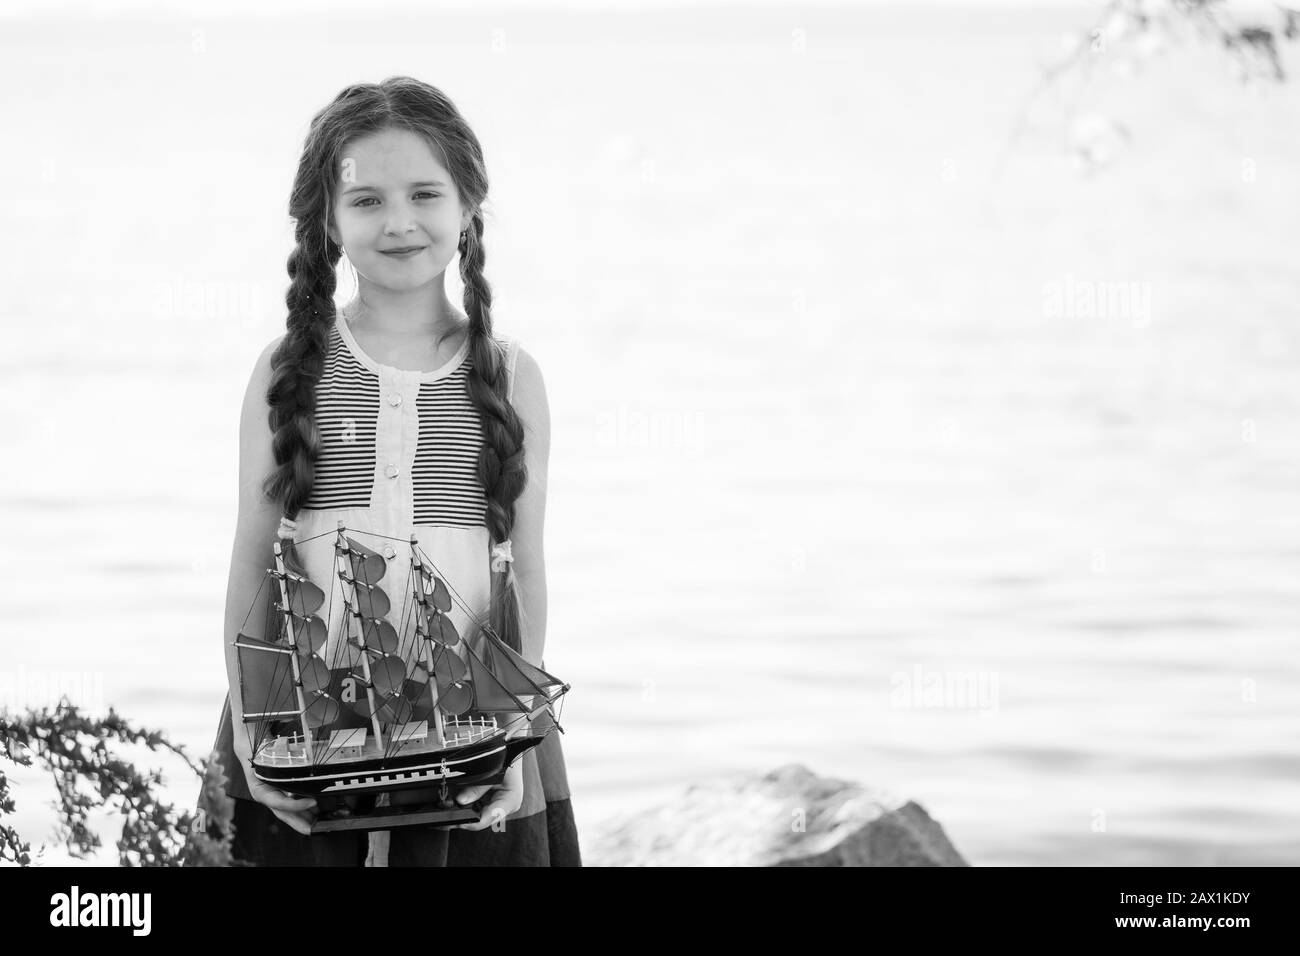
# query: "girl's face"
{"type": "Point", "coordinates": [393, 193]}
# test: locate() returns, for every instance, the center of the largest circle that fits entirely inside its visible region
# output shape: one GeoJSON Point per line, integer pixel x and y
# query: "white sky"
{"type": "Point", "coordinates": [220, 9]}
{"type": "Point", "coordinates": [212, 9]}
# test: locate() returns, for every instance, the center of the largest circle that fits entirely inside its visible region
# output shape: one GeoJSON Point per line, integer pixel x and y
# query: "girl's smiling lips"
{"type": "Point", "coordinates": [401, 249]}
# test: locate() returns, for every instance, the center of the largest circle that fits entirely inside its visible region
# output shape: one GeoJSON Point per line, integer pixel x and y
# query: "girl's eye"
{"type": "Point", "coordinates": [420, 193]}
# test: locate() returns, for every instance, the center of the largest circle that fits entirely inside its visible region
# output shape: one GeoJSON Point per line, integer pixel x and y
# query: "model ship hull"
{"type": "Point", "coordinates": [484, 761]}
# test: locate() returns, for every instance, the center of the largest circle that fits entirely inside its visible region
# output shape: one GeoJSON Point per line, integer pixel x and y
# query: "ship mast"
{"type": "Point", "coordinates": [421, 629]}
{"type": "Point", "coordinates": [281, 575]}
{"type": "Point", "coordinates": [341, 550]}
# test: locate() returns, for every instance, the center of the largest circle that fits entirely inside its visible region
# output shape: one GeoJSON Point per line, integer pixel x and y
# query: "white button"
{"type": "Point", "coordinates": [390, 551]}
{"type": "Point", "coordinates": [395, 398]}
{"type": "Point", "coordinates": [391, 471]}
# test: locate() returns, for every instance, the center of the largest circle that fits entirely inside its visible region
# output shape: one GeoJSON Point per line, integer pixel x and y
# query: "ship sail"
{"type": "Point", "coordinates": [265, 680]}
{"type": "Point", "coordinates": [383, 671]}
{"type": "Point", "coordinates": [305, 598]}
{"type": "Point", "coordinates": [367, 565]}
{"type": "Point", "coordinates": [519, 676]}
{"type": "Point", "coordinates": [490, 693]}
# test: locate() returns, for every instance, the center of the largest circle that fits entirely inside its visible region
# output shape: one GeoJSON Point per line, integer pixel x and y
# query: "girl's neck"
{"type": "Point", "coordinates": [405, 317]}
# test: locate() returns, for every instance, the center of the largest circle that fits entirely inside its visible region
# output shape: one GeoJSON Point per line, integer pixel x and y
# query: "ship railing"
{"type": "Point", "coordinates": [284, 760]}
{"type": "Point", "coordinates": [466, 730]}
{"type": "Point", "coordinates": [286, 750]}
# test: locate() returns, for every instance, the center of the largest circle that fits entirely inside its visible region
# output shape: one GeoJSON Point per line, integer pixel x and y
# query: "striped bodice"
{"type": "Point", "coordinates": [367, 440]}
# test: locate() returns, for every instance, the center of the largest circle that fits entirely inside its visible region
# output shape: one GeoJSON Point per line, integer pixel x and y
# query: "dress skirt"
{"type": "Point", "coordinates": [541, 833]}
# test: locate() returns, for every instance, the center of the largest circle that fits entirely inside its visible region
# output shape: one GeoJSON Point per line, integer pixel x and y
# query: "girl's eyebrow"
{"type": "Point", "coordinates": [354, 189]}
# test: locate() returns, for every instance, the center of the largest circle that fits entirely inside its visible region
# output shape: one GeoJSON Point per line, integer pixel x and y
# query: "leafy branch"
{"type": "Point", "coordinates": [78, 751]}
{"type": "Point", "coordinates": [1134, 28]}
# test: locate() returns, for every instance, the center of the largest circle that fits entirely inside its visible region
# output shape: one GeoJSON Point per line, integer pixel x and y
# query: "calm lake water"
{"type": "Point", "coordinates": [968, 478]}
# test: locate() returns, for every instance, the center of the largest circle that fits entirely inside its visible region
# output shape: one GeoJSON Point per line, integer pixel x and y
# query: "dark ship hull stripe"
{"type": "Point", "coordinates": [478, 761]}
{"type": "Point", "coordinates": [366, 768]}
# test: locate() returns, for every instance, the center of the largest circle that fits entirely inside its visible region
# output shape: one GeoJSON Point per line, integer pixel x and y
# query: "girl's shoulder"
{"type": "Point", "coordinates": [508, 347]}
{"type": "Point", "coordinates": [526, 390]}
{"type": "Point", "coordinates": [512, 364]}
{"type": "Point", "coordinates": [260, 379]}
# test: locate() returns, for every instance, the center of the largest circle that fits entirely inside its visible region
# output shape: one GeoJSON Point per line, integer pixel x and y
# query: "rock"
{"type": "Point", "coordinates": [789, 817]}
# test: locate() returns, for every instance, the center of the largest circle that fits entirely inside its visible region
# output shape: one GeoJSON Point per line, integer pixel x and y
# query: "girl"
{"type": "Point", "coordinates": [399, 416]}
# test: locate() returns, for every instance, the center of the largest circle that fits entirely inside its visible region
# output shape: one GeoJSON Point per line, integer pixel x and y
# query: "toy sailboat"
{"type": "Point", "coordinates": [424, 712]}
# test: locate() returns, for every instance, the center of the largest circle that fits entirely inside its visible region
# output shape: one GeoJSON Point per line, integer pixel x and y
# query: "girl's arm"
{"type": "Point", "coordinates": [529, 400]}
{"type": "Point", "coordinates": [255, 530]}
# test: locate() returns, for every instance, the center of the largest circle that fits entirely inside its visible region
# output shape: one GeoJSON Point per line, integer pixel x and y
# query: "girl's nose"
{"type": "Point", "coordinates": [399, 221]}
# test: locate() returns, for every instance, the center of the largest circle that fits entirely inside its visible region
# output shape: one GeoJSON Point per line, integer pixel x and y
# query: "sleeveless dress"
{"type": "Point", "coordinates": [399, 453]}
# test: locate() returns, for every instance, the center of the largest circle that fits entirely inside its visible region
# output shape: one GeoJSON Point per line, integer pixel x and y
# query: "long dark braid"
{"type": "Point", "coordinates": [297, 364]}
{"type": "Point", "coordinates": [299, 361]}
{"type": "Point", "coordinates": [296, 367]}
{"type": "Point", "coordinates": [501, 469]}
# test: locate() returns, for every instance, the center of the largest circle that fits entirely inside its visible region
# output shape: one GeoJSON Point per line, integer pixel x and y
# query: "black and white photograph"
{"type": "Point", "coordinates": [652, 434]}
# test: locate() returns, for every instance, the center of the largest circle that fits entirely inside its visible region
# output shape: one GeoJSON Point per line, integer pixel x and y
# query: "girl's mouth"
{"type": "Point", "coordinates": [405, 253]}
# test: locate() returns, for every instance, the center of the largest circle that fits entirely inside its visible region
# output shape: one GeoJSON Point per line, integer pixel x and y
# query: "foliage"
{"type": "Point", "coordinates": [89, 776]}
{"type": "Point", "coordinates": [1125, 33]}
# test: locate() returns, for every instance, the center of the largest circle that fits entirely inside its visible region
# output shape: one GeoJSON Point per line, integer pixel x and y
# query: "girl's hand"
{"type": "Point", "coordinates": [508, 798]}
{"type": "Point", "coordinates": [297, 812]}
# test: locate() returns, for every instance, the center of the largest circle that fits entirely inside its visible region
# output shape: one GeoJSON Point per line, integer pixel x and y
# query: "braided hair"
{"type": "Point", "coordinates": [398, 102]}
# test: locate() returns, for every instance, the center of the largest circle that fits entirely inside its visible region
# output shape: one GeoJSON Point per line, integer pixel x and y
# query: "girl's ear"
{"type": "Point", "coordinates": [332, 228]}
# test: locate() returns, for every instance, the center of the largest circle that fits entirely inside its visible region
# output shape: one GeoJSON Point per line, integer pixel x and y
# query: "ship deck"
{"type": "Point", "coordinates": [291, 751]}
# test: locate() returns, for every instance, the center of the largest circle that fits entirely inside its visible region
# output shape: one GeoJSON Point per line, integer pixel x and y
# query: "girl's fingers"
{"type": "Point", "coordinates": [483, 822]}
{"type": "Point", "coordinates": [470, 794]}
{"type": "Point", "coordinates": [297, 812]}
{"type": "Point", "coordinates": [283, 800]}
{"type": "Point", "coordinates": [498, 808]}
{"type": "Point", "coordinates": [296, 822]}
{"type": "Point", "coordinates": [484, 818]}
